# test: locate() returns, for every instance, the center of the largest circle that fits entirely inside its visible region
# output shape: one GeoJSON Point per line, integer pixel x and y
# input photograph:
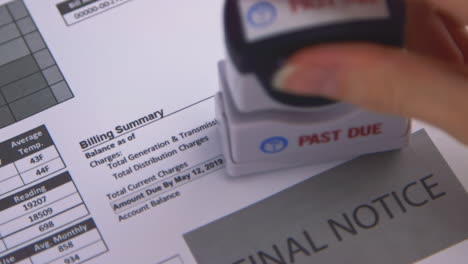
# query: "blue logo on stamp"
{"type": "Point", "coordinates": [274, 145]}
{"type": "Point", "coordinates": [261, 14]}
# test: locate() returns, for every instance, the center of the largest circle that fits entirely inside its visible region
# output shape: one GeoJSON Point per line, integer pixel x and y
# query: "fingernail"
{"type": "Point", "coordinates": [281, 77]}
{"type": "Point", "coordinates": [309, 80]}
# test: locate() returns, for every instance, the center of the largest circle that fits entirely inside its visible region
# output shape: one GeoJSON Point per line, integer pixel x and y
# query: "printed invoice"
{"type": "Point", "coordinates": [109, 150]}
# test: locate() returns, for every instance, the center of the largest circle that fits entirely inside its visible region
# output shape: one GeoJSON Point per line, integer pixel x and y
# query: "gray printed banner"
{"type": "Point", "coordinates": [393, 207]}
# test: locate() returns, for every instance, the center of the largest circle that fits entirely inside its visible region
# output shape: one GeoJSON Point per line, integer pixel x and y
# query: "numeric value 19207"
{"type": "Point", "coordinates": [34, 203]}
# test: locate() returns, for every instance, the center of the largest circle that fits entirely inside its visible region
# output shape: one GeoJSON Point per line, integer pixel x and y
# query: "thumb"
{"type": "Point", "coordinates": [382, 79]}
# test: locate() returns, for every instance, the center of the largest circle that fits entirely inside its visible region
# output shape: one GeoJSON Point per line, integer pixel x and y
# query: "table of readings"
{"type": "Point", "coordinates": [39, 198]}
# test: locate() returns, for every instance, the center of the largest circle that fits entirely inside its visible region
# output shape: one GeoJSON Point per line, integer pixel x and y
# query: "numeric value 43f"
{"type": "Point", "coordinates": [36, 159]}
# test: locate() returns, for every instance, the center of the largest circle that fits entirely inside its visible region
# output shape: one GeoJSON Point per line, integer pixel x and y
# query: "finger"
{"type": "Point", "coordinates": [382, 79]}
{"type": "Point", "coordinates": [427, 34]}
{"type": "Point", "coordinates": [457, 9]}
{"type": "Point", "coordinates": [459, 34]}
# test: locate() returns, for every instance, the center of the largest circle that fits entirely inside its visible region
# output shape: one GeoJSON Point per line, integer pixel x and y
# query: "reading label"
{"type": "Point", "coordinates": [267, 18]}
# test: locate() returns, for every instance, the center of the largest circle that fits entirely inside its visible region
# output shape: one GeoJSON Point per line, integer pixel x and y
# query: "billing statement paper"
{"type": "Point", "coordinates": [109, 154]}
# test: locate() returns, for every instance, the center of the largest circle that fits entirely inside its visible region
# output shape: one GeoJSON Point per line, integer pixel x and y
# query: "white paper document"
{"type": "Point", "coordinates": [109, 151]}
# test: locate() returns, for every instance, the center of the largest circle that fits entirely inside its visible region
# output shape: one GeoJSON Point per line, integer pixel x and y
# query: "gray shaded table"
{"type": "Point", "coordinates": [30, 80]}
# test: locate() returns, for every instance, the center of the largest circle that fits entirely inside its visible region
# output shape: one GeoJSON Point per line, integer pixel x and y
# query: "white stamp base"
{"type": "Point", "coordinates": [263, 141]}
